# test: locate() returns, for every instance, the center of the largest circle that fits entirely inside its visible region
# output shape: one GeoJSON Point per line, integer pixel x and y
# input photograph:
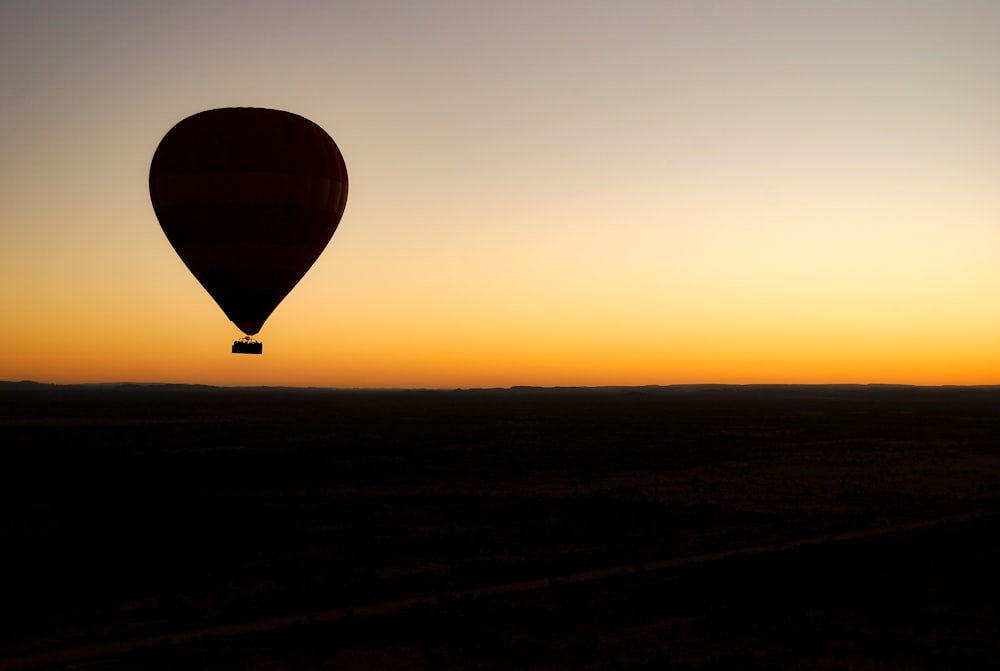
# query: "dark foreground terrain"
{"type": "Point", "coordinates": [164, 527]}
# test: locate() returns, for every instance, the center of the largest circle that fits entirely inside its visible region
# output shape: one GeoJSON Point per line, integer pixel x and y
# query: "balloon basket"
{"type": "Point", "coordinates": [247, 346]}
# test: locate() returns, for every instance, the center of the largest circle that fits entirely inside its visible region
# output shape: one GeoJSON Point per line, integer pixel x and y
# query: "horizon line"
{"type": "Point", "coordinates": [23, 384]}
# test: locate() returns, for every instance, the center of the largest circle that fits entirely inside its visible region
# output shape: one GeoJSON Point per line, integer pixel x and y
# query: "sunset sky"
{"type": "Point", "coordinates": [545, 192]}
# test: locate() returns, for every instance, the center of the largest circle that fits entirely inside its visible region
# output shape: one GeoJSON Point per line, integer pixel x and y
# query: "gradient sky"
{"type": "Point", "coordinates": [542, 191]}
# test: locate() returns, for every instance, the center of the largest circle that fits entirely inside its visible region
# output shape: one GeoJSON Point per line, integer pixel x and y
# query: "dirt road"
{"type": "Point", "coordinates": [91, 655]}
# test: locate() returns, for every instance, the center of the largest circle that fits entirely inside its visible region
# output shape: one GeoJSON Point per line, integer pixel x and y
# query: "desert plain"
{"type": "Point", "coordinates": [683, 527]}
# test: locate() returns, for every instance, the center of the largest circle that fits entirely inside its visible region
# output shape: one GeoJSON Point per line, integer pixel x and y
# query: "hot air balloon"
{"type": "Point", "coordinates": [249, 198]}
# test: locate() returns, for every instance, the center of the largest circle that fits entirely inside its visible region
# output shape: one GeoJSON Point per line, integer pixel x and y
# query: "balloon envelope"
{"type": "Point", "coordinates": [249, 198]}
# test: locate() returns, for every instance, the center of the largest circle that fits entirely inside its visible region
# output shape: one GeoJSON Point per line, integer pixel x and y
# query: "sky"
{"type": "Point", "coordinates": [542, 192]}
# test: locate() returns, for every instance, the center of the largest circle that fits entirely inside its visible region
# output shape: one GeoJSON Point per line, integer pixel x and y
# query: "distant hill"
{"type": "Point", "coordinates": [32, 385]}
{"type": "Point", "coordinates": [25, 384]}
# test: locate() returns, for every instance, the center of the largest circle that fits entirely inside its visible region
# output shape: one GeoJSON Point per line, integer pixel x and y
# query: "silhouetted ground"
{"type": "Point", "coordinates": [136, 513]}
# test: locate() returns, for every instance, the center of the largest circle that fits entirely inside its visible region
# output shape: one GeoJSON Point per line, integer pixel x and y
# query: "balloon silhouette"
{"type": "Point", "coordinates": [249, 198]}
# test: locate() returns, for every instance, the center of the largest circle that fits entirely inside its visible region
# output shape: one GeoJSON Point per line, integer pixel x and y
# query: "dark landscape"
{"type": "Point", "coordinates": [688, 527]}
